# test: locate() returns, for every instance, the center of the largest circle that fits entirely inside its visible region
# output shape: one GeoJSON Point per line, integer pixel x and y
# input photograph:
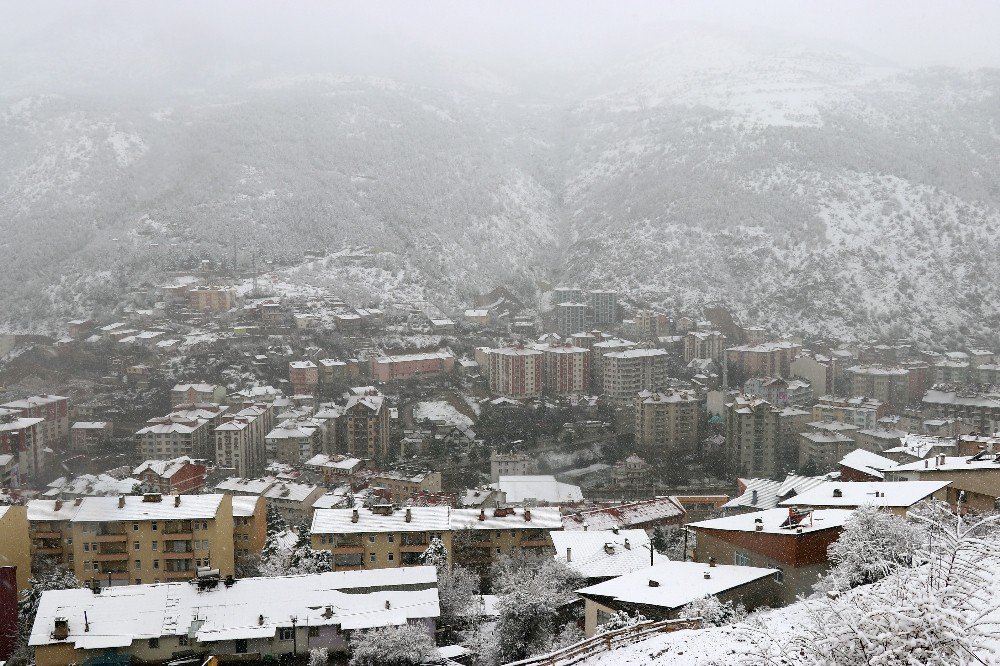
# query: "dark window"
{"type": "Point", "coordinates": [154, 643]}
{"type": "Point", "coordinates": [241, 646]}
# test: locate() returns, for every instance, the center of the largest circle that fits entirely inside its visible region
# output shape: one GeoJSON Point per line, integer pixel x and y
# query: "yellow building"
{"type": "Point", "coordinates": [482, 535]}
{"type": "Point", "coordinates": [249, 528]}
{"type": "Point", "coordinates": [15, 544]}
{"type": "Point", "coordinates": [134, 538]}
{"type": "Point", "coordinates": [381, 537]}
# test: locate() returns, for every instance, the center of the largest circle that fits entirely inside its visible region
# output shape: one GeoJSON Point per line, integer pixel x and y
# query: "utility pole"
{"type": "Point", "coordinates": [295, 637]}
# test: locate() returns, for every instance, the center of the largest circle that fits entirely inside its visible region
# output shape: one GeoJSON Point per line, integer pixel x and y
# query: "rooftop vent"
{"type": "Point", "coordinates": [482, 514]}
{"type": "Point", "coordinates": [654, 583]}
{"type": "Point", "coordinates": [837, 492]}
{"type": "Point", "coordinates": [121, 501]}
{"type": "Point", "coordinates": [152, 497]}
{"type": "Point", "coordinates": [753, 497]}
{"type": "Point", "coordinates": [501, 512]}
{"type": "Point", "coordinates": [628, 546]}
{"type": "Point", "coordinates": [177, 500]}
{"type": "Point", "coordinates": [354, 516]}
{"type": "Point", "coordinates": [708, 575]}
{"type": "Point", "coordinates": [527, 515]}
{"type": "Point", "coordinates": [569, 554]}
{"type": "Point", "coordinates": [711, 562]}
{"type": "Point", "coordinates": [61, 631]}
{"type": "Point", "coordinates": [609, 548]}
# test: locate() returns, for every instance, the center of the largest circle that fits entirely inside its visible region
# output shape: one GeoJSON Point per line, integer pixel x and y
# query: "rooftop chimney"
{"type": "Point", "coordinates": [707, 575]}
{"type": "Point", "coordinates": [837, 492]}
{"type": "Point", "coordinates": [527, 515]}
{"type": "Point", "coordinates": [388, 604]}
{"type": "Point", "coordinates": [59, 504]}
{"type": "Point", "coordinates": [482, 514]}
{"type": "Point", "coordinates": [408, 515]}
{"type": "Point", "coordinates": [121, 501]}
{"type": "Point", "coordinates": [654, 583]}
{"type": "Point", "coordinates": [177, 500]}
{"type": "Point", "coordinates": [569, 554]}
{"type": "Point", "coordinates": [61, 631]}
{"type": "Point", "coordinates": [758, 524]}
{"type": "Point", "coordinates": [628, 546]}
{"type": "Point", "coordinates": [260, 620]}
{"type": "Point", "coordinates": [711, 561]}
{"type": "Point", "coordinates": [753, 497]}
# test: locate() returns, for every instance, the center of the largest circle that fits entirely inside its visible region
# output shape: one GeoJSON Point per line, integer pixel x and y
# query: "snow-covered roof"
{"type": "Point", "coordinates": [33, 401]}
{"type": "Point", "coordinates": [190, 507]}
{"type": "Point", "coordinates": [333, 462]}
{"type": "Point", "coordinates": [89, 425]}
{"type": "Point", "coordinates": [655, 509]}
{"type": "Point", "coordinates": [603, 554]}
{"type": "Point", "coordinates": [939, 397]}
{"type": "Point", "coordinates": [636, 353]}
{"type": "Point", "coordinates": [92, 485]}
{"type": "Point", "coordinates": [919, 446]}
{"type": "Point", "coordinates": [769, 493]}
{"type": "Point", "coordinates": [401, 358]}
{"type": "Point", "coordinates": [120, 615]}
{"type": "Point", "coordinates": [340, 521]}
{"type": "Point", "coordinates": [290, 491]}
{"type": "Point", "coordinates": [45, 510]}
{"type": "Point", "coordinates": [164, 468]}
{"type": "Point", "coordinates": [867, 462]}
{"type": "Point", "coordinates": [244, 506]}
{"type": "Point", "coordinates": [951, 464]}
{"type": "Point", "coordinates": [198, 388]}
{"type": "Point", "coordinates": [539, 488]}
{"type": "Point", "coordinates": [235, 484]}
{"type": "Point", "coordinates": [772, 520]}
{"type": "Point", "coordinates": [678, 583]}
{"type": "Point", "coordinates": [862, 493]}
{"type": "Point", "coordinates": [302, 365]}
{"type": "Point", "coordinates": [536, 518]}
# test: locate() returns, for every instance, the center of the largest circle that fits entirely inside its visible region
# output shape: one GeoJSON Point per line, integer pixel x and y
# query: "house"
{"type": "Point", "coordinates": [252, 619]}
{"type": "Point", "coordinates": [793, 543]}
{"type": "Point", "coordinates": [334, 469]}
{"type": "Point", "coordinates": [409, 366]}
{"type": "Point", "coordinates": [598, 556]}
{"type": "Point", "coordinates": [861, 465]}
{"type": "Point", "coordinates": [176, 476]}
{"type": "Point", "coordinates": [511, 464]}
{"type": "Point", "coordinates": [293, 501]}
{"type": "Point", "coordinates": [381, 537]}
{"type": "Point", "coordinates": [405, 484]}
{"type": "Point", "coordinates": [644, 514]}
{"type": "Point", "coordinates": [540, 490]}
{"type": "Point", "coordinates": [975, 478]}
{"type": "Point", "coordinates": [194, 393]}
{"type": "Point", "coordinates": [762, 494]}
{"type": "Point", "coordinates": [661, 591]}
{"type": "Point", "coordinates": [895, 497]}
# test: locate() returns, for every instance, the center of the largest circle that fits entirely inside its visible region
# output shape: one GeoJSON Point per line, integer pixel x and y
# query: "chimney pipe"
{"type": "Point", "coordinates": [354, 516]}
{"type": "Point", "coordinates": [408, 515]}
{"type": "Point", "coordinates": [121, 501]}
{"type": "Point", "coordinates": [711, 561]}
{"type": "Point", "coordinates": [527, 515]}
{"type": "Point", "coordinates": [569, 554]}
{"type": "Point", "coordinates": [707, 575]}
{"type": "Point", "coordinates": [177, 500]}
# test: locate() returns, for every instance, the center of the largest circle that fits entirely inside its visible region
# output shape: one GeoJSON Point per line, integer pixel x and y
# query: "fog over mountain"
{"type": "Point", "coordinates": [810, 185]}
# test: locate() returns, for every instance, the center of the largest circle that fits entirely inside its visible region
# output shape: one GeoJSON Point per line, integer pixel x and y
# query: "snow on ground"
{"type": "Point", "coordinates": [440, 410]}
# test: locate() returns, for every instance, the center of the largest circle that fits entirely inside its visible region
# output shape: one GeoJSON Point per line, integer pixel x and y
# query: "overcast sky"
{"type": "Point", "coordinates": [963, 33]}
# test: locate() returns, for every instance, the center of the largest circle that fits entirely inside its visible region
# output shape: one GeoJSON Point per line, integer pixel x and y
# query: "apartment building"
{"type": "Point", "coordinates": [49, 531]}
{"type": "Point", "coordinates": [403, 485]}
{"type": "Point", "coordinates": [249, 529]}
{"type": "Point", "coordinates": [254, 620]}
{"type": "Point", "coordinates": [859, 411]}
{"type": "Point", "coordinates": [480, 536]}
{"type": "Point", "coordinates": [566, 368]}
{"type": "Point", "coordinates": [173, 436]}
{"type": "Point", "coordinates": [770, 359]}
{"type": "Point", "coordinates": [410, 366]}
{"type": "Point", "coordinates": [517, 372]}
{"type": "Point", "coordinates": [650, 325]}
{"type": "Point", "coordinates": [704, 344]}
{"type": "Point", "coordinates": [15, 542]}
{"type": "Point", "coordinates": [22, 438]}
{"type": "Point", "coordinates": [188, 394]}
{"type": "Point", "coordinates": [511, 464]}
{"type": "Point", "coordinates": [294, 501]}
{"type": "Point", "coordinates": [980, 409]}
{"type": "Point", "coordinates": [603, 306]}
{"type": "Point", "coordinates": [884, 383]}
{"type": "Point", "coordinates": [598, 351]}
{"type": "Point", "coordinates": [570, 317]}
{"type": "Point", "coordinates": [240, 439]}
{"type": "Point", "coordinates": [304, 377]}
{"type": "Point", "coordinates": [760, 438]}
{"type": "Point", "coordinates": [87, 436]}
{"type": "Point", "coordinates": [176, 476]}
{"type": "Point", "coordinates": [382, 537]}
{"type": "Point", "coordinates": [294, 441]}
{"type": "Point", "coordinates": [211, 299]}
{"type": "Point", "coordinates": [365, 427]}
{"type": "Point", "coordinates": [626, 373]}
{"type": "Point", "coordinates": [668, 422]}
{"type": "Point", "coordinates": [52, 409]}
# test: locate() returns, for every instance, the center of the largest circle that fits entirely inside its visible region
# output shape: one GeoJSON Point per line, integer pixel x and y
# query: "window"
{"type": "Point", "coordinates": [135, 545]}
{"type": "Point", "coordinates": [183, 640]}
{"type": "Point", "coordinates": [69, 542]}
{"type": "Point", "coordinates": [86, 547]}
{"type": "Point", "coordinates": [371, 558]}
{"type": "Point", "coordinates": [138, 564]}
{"type": "Point", "coordinates": [371, 538]}
{"type": "Point", "coordinates": [135, 527]}
{"type": "Point", "coordinates": [392, 556]}
{"type": "Point", "coordinates": [154, 526]}
{"type": "Point", "coordinates": [204, 524]}
{"type": "Point", "coordinates": [742, 559]}
{"type": "Point", "coordinates": [313, 632]}
{"type": "Point", "coordinates": [154, 643]}
{"type": "Point", "coordinates": [498, 551]}
{"type": "Point", "coordinates": [240, 646]}
{"type": "Point", "coordinates": [86, 565]}
{"type": "Point", "coordinates": [779, 576]}
{"type": "Point", "coordinates": [285, 633]}
{"type": "Point", "coordinates": [156, 545]}
{"type": "Point", "coordinates": [156, 564]}
{"type": "Point", "coordinates": [392, 538]}
{"type": "Point", "coordinates": [93, 547]}
{"type": "Point", "coordinates": [138, 581]}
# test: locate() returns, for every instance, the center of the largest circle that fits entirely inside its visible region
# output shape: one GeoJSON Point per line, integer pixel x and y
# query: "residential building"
{"type": "Point", "coordinates": [644, 514]}
{"type": "Point", "coordinates": [211, 298]}
{"type": "Point", "coordinates": [862, 465]}
{"type": "Point", "coordinates": [791, 543]}
{"type": "Point", "coordinates": [89, 436]}
{"type": "Point", "coordinates": [249, 530]}
{"type": "Point", "coordinates": [15, 542]}
{"type": "Point", "coordinates": [365, 427]}
{"type": "Point", "coordinates": [171, 436]}
{"type": "Point", "coordinates": [294, 501]}
{"type": "Point", "coordinates": [661, 591]}
{"type": "Point", "coordinates": [511, 464]}
{"type": "Point", "coordinates": [22, 438]}
{"type": "Point", "coordinates": [888, 384]}
{"type": "Point", "coordinates": [566, 368]}
{"type": "Point", "coordinates": [403, 485]}
{"type": "Point", "coordinates": [975, 479]}
{"type": "Point", "coordinates": [603, 306]}
{"type": "Point", "coordinates": [304, 377]}
{"type": "Point", "coordinates": [334, 470]}
{"type": "Point", "coordinates": [177, 476]}
{"type": "Point", "coordinates": [517, 372]}
{"type": "Point", "coordinates": [668, 422]}
{"type": "Point", "coordinates": [570, 318]}
{"type": "Point", "coordinates": [188, 394]}
{"type": "Point", "coordinates": [703, 344]}
{"type": "Point", "coordinates": [816, 369]}
{"type": "Point", "coordinates": [761, 440]}
{"type": "Point", "coordinates": [410, 366]}
{"type": "Point", "coordinates": [52, 409]}
{"type": "Point", "coordinates": [895, 497]}
{"type": "Point", "coordinates": [821, 447]}
{"type": "Point", "coordinates": [294, 441]}
{"type": "Point", "coordinates": [598, 350]}
{"type": "Point", "coordinates": [253, 619]}
{"type": "Point", "coordinates": [567, 295]}
{"type": "Point", "coordinates": [382, 537]}
{"type": "Point", "coordinates": [49, 531]}
{"type": "Point", "coordinates": [632, 473]}
{"type": "Point", "coordinates": [240, 439]}
{"type": "Point", "coordinates": [770, 359]}
{"type": "Point", "coordinates": [627, 373]}
{"type": "Point", "coordinates": [860, 411]}
{"type": "Point", "coordinates": [480, 536]}
{"type": "Point", "coordinates": [981, 409]}
{"type": "Point", "coordinates": [598, 556]}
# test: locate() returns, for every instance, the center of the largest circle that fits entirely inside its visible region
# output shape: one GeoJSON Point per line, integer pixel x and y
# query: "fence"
{"type": "Point", "coordinates": [607, 642]}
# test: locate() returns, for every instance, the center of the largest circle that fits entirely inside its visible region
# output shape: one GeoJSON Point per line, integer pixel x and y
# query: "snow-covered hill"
{"type": "Point", "coordinates": [809, 190]}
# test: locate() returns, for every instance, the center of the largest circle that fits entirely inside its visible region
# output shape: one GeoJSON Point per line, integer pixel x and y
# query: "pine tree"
{"type": "Point", "coordinates": [436, 554]}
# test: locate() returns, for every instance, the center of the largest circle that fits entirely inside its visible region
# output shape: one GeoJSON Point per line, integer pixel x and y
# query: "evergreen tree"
{"type": "Point", "coordinates": [436, 554]}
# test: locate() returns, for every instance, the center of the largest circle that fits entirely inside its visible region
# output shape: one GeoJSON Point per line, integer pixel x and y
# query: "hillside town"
{"type": "Point", "coordinates": [217, 473]}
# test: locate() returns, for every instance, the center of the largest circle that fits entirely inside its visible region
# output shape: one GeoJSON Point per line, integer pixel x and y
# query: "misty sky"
{"type": "Point", "coordinates": [963, 33]}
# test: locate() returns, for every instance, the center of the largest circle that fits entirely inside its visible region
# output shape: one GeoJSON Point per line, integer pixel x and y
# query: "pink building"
{"type": "Point", "coordinates": [304, 377]}
{"type": "Point", "coordinates": [405, 366]}
{"type": "Point", "coordinates": [567, 368]}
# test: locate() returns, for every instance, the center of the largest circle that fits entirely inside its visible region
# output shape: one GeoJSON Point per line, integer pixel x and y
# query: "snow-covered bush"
{"type": "Point", "coordinates": [56, 578]}
{"type": "Point", "coordinates": [714, 613]}
{"type": "Point", "coordinates": [620, 620]}
{"type": "Point", "coordinates": [458, 595]}
{"type": "Point", "coordinates": [872, 545]}
{"type": "Point", "coordinates": [435, 555]}
{"type": "Point", "coordinates": [319, 657]}
{"type": "Point", "coordinates": [406, 645]}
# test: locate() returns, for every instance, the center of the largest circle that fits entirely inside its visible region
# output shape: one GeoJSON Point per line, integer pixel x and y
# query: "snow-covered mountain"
{"type": "Point", "coordinates": [811, 190]}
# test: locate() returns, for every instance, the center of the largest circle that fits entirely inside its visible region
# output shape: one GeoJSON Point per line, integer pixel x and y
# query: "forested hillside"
{"type": "Point", "coordinates": [810, 191]}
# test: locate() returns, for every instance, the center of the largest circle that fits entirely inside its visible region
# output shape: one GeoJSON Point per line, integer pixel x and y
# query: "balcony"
{"type": "Point", "coordinates": [178, 555]}
{"type": "Point", "coordinates": [346, 542]}
{"type": "Point", "coordinates": [110, 557]}
{"type": "Point", "coordinates": [178, 575]}
{"type": "Point", "coordinates": [46, 534]}
{"type": "Point", "coordinates": [349, 550]}
{"type": "Point", "coordinates": [50, 550]}
{"type": "Point", "coordinates": [111, 529]}
{"type": "Point", "coordinates": [177, 536]}
{"type": "Point", "coordinates": [111, 538]}
{"type": "Point", "coordinates": [177, 527]}
{"type": "Point", "coordinates": [413, 540]}
{"type": "Point", "coordinates": [535, 543]}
